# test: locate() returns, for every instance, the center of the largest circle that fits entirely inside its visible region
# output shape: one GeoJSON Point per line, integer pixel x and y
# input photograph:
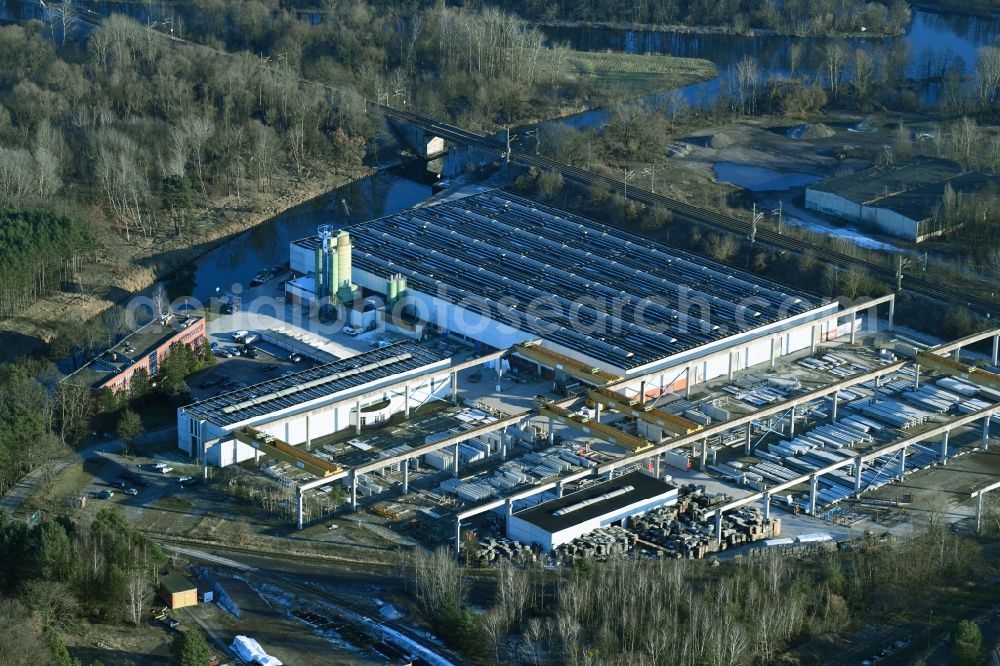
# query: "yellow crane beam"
{"type": "Point", "coordinates": [572, 367]}
{"type": "Point", "coordinates": [598, 430]}
{"type": "Point", "coordinates": [962, 370]}
{"type": "Point", "coordinates": [632, 407]}
{"type": "Point", "coordinates": [272, 446]}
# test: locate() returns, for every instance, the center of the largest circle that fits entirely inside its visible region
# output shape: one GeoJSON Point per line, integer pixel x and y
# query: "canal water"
{"type": "Point", "coordinates": [932, 41]}
{"type": "Point", "coordinates": [759, 179]}
{"type": "Point", "coordinates": [266, 245]}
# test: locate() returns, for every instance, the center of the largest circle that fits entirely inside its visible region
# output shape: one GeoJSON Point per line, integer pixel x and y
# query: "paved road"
{"type": "Point", "coordinates": [19, 494]}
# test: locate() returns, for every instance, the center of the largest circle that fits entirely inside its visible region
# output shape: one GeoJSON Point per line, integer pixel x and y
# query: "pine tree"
{"type": "Point", "coordinates": [190, 649]}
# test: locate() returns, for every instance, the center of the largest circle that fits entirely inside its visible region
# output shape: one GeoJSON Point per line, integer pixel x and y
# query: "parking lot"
{"type": "Point", "coordinates": [133, 482]}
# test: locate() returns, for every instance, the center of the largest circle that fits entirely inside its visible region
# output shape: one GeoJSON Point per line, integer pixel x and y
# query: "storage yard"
{"type": "Point", "coordinates": [472, 403]}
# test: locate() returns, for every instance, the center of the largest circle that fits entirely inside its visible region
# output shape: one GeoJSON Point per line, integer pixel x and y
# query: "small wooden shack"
{"type": "Point", "coordinates": [178, 591]}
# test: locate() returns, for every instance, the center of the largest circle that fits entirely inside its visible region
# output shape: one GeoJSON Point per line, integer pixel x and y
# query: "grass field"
{"type": "Point", "coordinates": [629, 73]}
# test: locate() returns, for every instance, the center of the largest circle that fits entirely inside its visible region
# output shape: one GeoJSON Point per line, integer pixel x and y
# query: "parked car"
{"type": "Point", "coordinates": [106, 494]}
{"type": "Point", "coordinates": [132, 491]}
{"type": "Point", "coordinates": [184, 479]}
{"type": "Point", "coordinates": [239, 335]}
{"type": "Point", "coordinates": [214, 346]}
{"type": "Point", "coordinates": [118, 484]}
{"type": "Point", "coordinates": [296, 357]}
{"type": "Point", "coordinates": [166, 470]}
{"type": "Point", "coordinates": [350, 330]}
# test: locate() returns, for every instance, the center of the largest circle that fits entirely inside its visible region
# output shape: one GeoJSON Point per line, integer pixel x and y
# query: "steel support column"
{"type": "Point", "coordinates": [357, 410]}
{"type": "Point", "coordinates": [773, 355]}
{"type": "Point", "coordinates": [944, 448]}
{"type": "Point", "coordinates": [854, 327]}
{"type": "Point", "coordinates": [902, 463]}
{"type": "Point", "coordinates": [204, 459]}
{"type": "Point", "coordinates": [748, 443]}
{"type": "Point", "coordinates": [985, 443]}
{"type": "Point", "coordinates": [791, 422]}
{"type": "Point", "coordinates": [731, 364]}
{"type": "Point", "coordinates": [406, 403]}
{"type": "Point", "coordinates": [597, 412]}
{"type": "Point", "coordinates": [996, 350]}
{"type": "Point", "coordinates": [406, 476]}
{"type": "Point", "coordinates": [892, 314]}
{"type": "Point", "coordinates": [552, 431]}
{"type": "Point", "coordinates": [833, 408]}
{"type": "Point", "coordinates": [767, 506]}
{"type": "Point", "coordinates": [718, 529]}
{"type": "Point", "coordinates": [298, 497]}
{"type": "Point", "coordinates": [458, 536]}
{"type": "Point", "coordinates": [979, 512]}
{"type": "Point", "coordinates": [704, 453]}
{"type": "Point", "coordinates": [642, 392]}
{"type": "Point", "coordinates": [354, 490]}
{"type": "Point", "coordinates": [687, 382]}
{"type": "Point", "coordinates": [455, 461]}
{"type": "Point", "coordinates": [308, 435]}
{"type": "Point", "coordinates": [454, 388]}
{"type": "Point", "coordinates": [916, 376]}
{"type": "Point", "coordinates": [814, 339]}
{"type": "Point", "coordinates": [813, 490]}
{"type": "Point", "coordinates": [858, 468]}
{"type": "Point", "coordinates": [559, 490]}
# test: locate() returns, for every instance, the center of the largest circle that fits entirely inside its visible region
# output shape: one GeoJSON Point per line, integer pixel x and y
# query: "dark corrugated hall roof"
{"type": "Point", "coordinates": [615, 297]}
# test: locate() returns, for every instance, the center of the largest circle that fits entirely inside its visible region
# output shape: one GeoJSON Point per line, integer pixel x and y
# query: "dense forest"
{"type": "Point", "coordinates": [798, 17]}
{"type": "Point", "coordinates": [60, 572]}
{"type": "Point", "coordinates": [39, 250]}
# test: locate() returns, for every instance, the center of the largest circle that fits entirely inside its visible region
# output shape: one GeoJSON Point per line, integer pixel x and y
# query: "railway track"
{"type": "Point", "coordinates": [695, 214]}
{"type": "Point", "coordinates": [281, 571]}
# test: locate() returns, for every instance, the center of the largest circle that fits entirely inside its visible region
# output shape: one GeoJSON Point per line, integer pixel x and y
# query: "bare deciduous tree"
{"type": "Point", "coordinates": [748, 81]}
{"type": "Point", "coordinates": [121, 175]}
{"type": "Point", "coordinates": [834, 57]}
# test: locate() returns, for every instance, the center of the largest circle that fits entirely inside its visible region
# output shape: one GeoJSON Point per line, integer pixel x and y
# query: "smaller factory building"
{"type": "Point", "coordinates": [357, 392]}
{"type": "Point", "coordinates": [900, 200]}
{"type": "Point", "coordinates": [143, 349]}
{"type": "Point", "coordinates": [559, 521]}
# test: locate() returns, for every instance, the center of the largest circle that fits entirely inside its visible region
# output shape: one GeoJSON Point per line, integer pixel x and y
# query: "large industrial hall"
{"type": "Point", "coordinates": [500, 269]}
